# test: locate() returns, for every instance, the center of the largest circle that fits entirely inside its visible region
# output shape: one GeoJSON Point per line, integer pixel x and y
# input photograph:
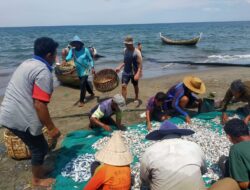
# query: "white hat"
{"type": "Point", "coordinates": [115, 153]}
{"type": "Point", "coordinates": [120, 101]}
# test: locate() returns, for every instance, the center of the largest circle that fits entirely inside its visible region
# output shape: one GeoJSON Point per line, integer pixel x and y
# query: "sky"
{"type": "Point", "coordinates": [103, 12]}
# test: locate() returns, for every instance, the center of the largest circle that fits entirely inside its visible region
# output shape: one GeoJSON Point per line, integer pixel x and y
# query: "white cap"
{"type": "Point", "coordinates": [120, 101]}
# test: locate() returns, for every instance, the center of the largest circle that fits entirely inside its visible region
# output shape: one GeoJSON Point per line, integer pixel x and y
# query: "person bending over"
{"type": "Point", "coordinates": [100, 115]}
{"type": "Point", "coordinates": [182, 95]}
{"type": "Point", "coordinates": [114, 171]}
{"type": "Point", "coordinates": [156, 109]}
{"type": "Point", "coordinates": [238, 92]}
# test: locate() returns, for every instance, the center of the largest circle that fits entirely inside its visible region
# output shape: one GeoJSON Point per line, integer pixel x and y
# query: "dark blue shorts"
{"type": "Point", "coordinates": [126, 78]}
{"type": "Point", "coordinates": [38, 146]}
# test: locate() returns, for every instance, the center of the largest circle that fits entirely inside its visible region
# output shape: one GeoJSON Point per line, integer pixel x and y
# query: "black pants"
{"type": "Point", "coordinates": [38, 146]}
{"type": "Point", "coordinates": [84, 85]}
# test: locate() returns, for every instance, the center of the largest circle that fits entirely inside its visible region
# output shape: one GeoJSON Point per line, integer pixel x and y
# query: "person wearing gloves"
{"type": "Point", "coordinates": [24, 108]}
{"type": "Point", "coordinates": [84, 63]}
{"type": "Point", "coordinates": [182, 95]}
{"type": "Point", "coordinates": [100, 115]}
{"type": "Point", "coordinates": [172, 163]}
{"type": "Point", "coordinates": [114, 172]}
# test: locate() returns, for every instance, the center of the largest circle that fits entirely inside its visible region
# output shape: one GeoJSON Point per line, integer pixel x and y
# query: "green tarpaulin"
{"type": "Point", "coordinates": [80, 142]}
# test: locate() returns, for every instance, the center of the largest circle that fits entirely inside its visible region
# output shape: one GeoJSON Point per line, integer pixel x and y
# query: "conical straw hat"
{"type": "Point", "coordinates": [115, 153]}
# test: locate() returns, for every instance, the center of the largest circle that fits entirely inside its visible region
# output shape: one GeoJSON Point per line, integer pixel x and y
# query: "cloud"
{"type": "Point", "coordinates": [85, 12]}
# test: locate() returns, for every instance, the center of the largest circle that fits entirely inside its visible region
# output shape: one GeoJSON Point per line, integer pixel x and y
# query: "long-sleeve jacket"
{"type": "Point", "coordinates": [82, 59]}
{"type": "Point", "coordinates": [175, 94]}
{"type": "Point", "coordinates": [245, 97]}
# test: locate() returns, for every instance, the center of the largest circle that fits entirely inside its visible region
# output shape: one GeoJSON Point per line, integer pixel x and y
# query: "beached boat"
{"type": "Point", "coordinates": [67, 76]}
{"type": "Point", "coordinates": [189, 42]}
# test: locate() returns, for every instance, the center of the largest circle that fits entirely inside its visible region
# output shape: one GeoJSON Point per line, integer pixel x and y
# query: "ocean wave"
{"type": "Point", "coordinates": [229, 57]}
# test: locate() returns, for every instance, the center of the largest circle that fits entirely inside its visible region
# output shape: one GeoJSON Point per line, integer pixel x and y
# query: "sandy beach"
{"type": "Point", "coordinates": [68, 117]}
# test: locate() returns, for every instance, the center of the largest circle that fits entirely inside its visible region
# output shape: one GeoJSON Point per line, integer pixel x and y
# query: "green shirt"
{"type": "Point", "coordinates": [239, 161]}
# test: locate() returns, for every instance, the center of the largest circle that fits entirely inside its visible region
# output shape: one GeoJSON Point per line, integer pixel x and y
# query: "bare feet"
{"type": "Point", "coordinates": [81, 104]}
{"type": "Point", "coordinates": [136, 102]}
{"type": "Point", "coordinates": [43, 182]}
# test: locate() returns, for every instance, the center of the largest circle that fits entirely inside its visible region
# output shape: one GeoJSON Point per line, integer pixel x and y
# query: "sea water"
{"type": "Point", "coordinates": [221, 43]}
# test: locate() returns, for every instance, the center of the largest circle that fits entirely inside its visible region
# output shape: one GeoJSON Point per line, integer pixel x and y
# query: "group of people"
{"type": "Point", "coordinates": [31, 86]}
{"type": "Point", "coordinates": [84, 63]}
{"type": "Point", "coordinates": [170, 163]}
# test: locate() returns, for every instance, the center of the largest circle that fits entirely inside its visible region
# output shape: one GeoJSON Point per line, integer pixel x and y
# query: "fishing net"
{"type": "Point", "coordinates": [78, 149]}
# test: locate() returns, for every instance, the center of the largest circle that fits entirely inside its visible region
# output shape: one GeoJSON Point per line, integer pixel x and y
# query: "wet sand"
{"type": "Point", "coordinates": [68, 117]}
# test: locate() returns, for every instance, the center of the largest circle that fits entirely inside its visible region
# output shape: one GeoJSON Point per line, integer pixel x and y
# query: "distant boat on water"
{"type": "Point", "coordinates": [190, 42]}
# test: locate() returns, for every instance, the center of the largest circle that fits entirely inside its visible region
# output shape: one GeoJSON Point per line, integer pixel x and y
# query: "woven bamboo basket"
{"type": "Point", "coordinates": [16, 148]}
{"type": "Point", "coordinates": [106, 80]}
{"type": "Point", "coordinates": [70, 65]}
{"type": "Point", "coordinates": [67, 75]}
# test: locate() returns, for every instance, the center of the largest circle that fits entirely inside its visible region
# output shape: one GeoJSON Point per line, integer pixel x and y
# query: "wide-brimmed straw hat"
{"type": "Point", "coordinates": [194, 84]}
{"type": "Point", "coordinates": [77, 39]}
{"type": "Point", "coordinates": [128, 40]}
{"type": "Point", "coordinates": [168, 128]}
{"type": "Point", "coordinates": [120, 101]}
{"type": "Point", "coordinates": [115, 153]}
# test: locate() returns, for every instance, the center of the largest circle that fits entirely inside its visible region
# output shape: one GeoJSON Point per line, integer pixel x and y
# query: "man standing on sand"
{"type": "Point", "coordinates": [24, 108]}
{"type": "Point", "coordinates": [132, 67]}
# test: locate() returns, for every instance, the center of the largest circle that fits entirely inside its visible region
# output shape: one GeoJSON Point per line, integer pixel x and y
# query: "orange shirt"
{"type": "Point", "coordinates": [109, 177]}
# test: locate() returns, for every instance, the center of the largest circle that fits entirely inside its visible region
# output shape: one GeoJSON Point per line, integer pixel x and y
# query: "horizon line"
{"type": "Point", "coordinates": [67, 25]}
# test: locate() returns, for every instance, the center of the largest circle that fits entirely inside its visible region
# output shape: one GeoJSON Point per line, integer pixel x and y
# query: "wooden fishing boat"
{"type": "Point", "coordinates": [190, 42]}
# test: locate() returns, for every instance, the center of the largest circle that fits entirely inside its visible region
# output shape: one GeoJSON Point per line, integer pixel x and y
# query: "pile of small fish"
{"type": "Point", "coordinates": [217, 120]}
{"type": "Point", "coordinates": [212, 143]}
{"type": "Point", "coordinates": [79, 168]}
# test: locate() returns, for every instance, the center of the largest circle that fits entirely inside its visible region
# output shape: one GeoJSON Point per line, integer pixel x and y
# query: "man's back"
{"type": "Point", "coordinates": [173, 164]}
{"type": "Point", "coordinates": [17, 110]}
